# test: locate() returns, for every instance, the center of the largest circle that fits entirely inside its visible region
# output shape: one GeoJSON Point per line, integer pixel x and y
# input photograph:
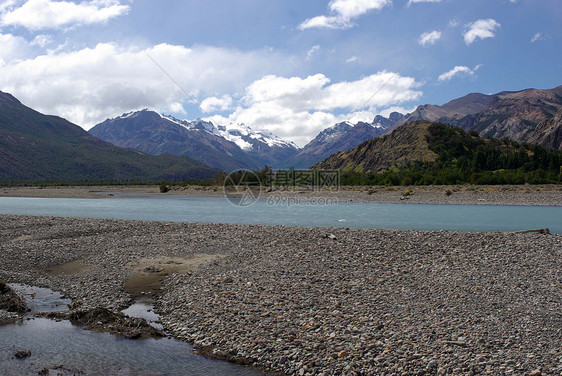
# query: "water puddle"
{"type": "Point", "coordinates": [41, 299]}
{"type": "Point", "coordinates": [58, 347]}
{"type": "Point", "coordinates": [148, 273]}
{"type": "Point", "coordinates": [144, 309]}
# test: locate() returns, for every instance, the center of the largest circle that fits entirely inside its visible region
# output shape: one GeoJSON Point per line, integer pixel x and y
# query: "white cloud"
{"type": "Point", "coordinates": [89, 85]}
{"type": "Point", "coordinates": [422, 1]}
{"type": "Point", "coordinates": [459, 70]}
{"type": "Point", "coordinates": [12, 48]}
{"type": "Point", "coordinates": [352, 59]}
{"type": "Point", "coordinates": [42, 40]}
{"type": "Point", "coordinates": [176, 107]}
{"type": "Point", "coordinates": [354, 8]}
{"type": "Point", "coordinates": [537, 37]}
{"type": "Point", "coordinates": [429, 38]}
{"type": "Point", "coordinates": [316, 93]}
{"type": "Point", "coordinates": [298, 108]}
{"type": "Point", "coordinates": [480, 29]}
{"type": "Point", "coordinates": [290, 92]}
{"type": "Point", "coordinates": [343, 12]}
{"type": "Point", "coordinates": [48, 14]}
{"type": "Point", "coordinates": [403, 110]}
{"type": "Point", "coordinates": [213, 104]}
{"type": "Point", "coordinates": [312, 51]}
{"type": "Point", "coordinates": [325, 22]}
{"type": "Point", "coordinates": [6, 4]}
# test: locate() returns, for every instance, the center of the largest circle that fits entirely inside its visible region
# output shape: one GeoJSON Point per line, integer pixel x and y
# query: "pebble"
{"type": "Point", "coordinates": [21, 354]}
{"type": "Point", "coordinates": [292, 301]}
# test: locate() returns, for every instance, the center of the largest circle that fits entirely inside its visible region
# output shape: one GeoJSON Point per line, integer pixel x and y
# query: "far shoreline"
{"type": "Point", "coordinates": [511, 195]}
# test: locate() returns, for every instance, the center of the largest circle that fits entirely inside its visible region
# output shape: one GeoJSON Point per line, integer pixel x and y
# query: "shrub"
{"type": "Point", "coordinates": [164, 188]}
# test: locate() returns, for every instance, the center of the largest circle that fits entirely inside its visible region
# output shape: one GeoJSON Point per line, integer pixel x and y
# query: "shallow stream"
{"type": "Point", "coordinates": [59, 343]}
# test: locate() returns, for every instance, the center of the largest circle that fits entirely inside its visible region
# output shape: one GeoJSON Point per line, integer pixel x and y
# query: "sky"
{"type": "Point", "coordinates": [293, 67]}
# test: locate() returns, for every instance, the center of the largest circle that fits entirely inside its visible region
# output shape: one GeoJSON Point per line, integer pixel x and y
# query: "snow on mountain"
{"type": "Point", "coordinates": [157, 134]}
{"type": "Point", "coordinates": [242, 135]}
{"type": "Point", "coordinates": [333, 132]}
{"type": "Point", "coordinates": [384, 123]}
{"type": "Point", "coordinates": [235, 135]}
{"type": "Point", "coordinates": [176, 121]}
{"type": "Point", "coordinates": [249, 139]}
{"type": "Point", "coordinates": [127, 115]}
{"type": "Point", "coordinates": [263, 146]}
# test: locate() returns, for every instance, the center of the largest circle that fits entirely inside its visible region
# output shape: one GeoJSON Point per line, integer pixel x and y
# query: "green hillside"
{"type": "Point", "coordinates": [433, 153]}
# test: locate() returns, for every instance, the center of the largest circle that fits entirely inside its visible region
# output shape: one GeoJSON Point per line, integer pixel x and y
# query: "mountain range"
{"type": "Point", "coordinates": [422, 152]}
{"type": "Point", "coordinates": [157, 134]}
{"type": "Point", "coordinates": [234, 146]}
{"type": "Point", "coordinates": [530, 115]}
{"type": "Point", "coordinates": [340, 137]}
{"type": "Point", "coordinates": [37, 146]}
{"type": "Point", "coordinates": [34, 146]}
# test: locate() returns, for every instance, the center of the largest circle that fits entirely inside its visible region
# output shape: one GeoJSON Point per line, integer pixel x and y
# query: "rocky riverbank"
{"type": "Point", "coordinates": [311, 301]}
{"type": "Point", "coordinates": [12, 306]}
{"type": "Point", "coordinates": [550, 195]}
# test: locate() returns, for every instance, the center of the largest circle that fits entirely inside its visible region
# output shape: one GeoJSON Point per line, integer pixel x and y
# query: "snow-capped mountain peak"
{"type": "Point", "coordinates": [332, 132]}
{"type": "Point", "coordinates": [181, 123]}
{"type": "Point", "coordinates": [131, 114]}
{"type": "Point", "coordinates": [237, 135]}
{"type": "Point", "coordinates": [223, 146]}
{"type": "Point", "coordinates": [127, 115]}
{"type": "Point", "coordinates": [249, 139]}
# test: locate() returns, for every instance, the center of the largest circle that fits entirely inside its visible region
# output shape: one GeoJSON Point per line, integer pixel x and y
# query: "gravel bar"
{"type": "Point", "coordinates": [535, 195]}
{"type": "Point", "coordinates": [313, 301]}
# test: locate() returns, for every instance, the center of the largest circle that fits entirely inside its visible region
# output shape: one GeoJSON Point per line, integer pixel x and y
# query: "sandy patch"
{"type": "Point", "coordinates": [23, 238]}
{"type": "Point", "coordinates": [69, 268]}
{"type": "Point", "coordinates": [148, 273]}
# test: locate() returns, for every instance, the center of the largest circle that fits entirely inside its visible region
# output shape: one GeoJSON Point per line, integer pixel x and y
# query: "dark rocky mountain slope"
{"type": "Point", "coordinates": [522, 116]}
{"type": "Point", "coordinates": [153, 133]}
{"type": "Point", "coordinates": [34, 146]}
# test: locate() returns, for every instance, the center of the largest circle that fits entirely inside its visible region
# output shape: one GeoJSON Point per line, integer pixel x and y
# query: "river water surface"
{"type": "Point", "coordinates": [356, 215]}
